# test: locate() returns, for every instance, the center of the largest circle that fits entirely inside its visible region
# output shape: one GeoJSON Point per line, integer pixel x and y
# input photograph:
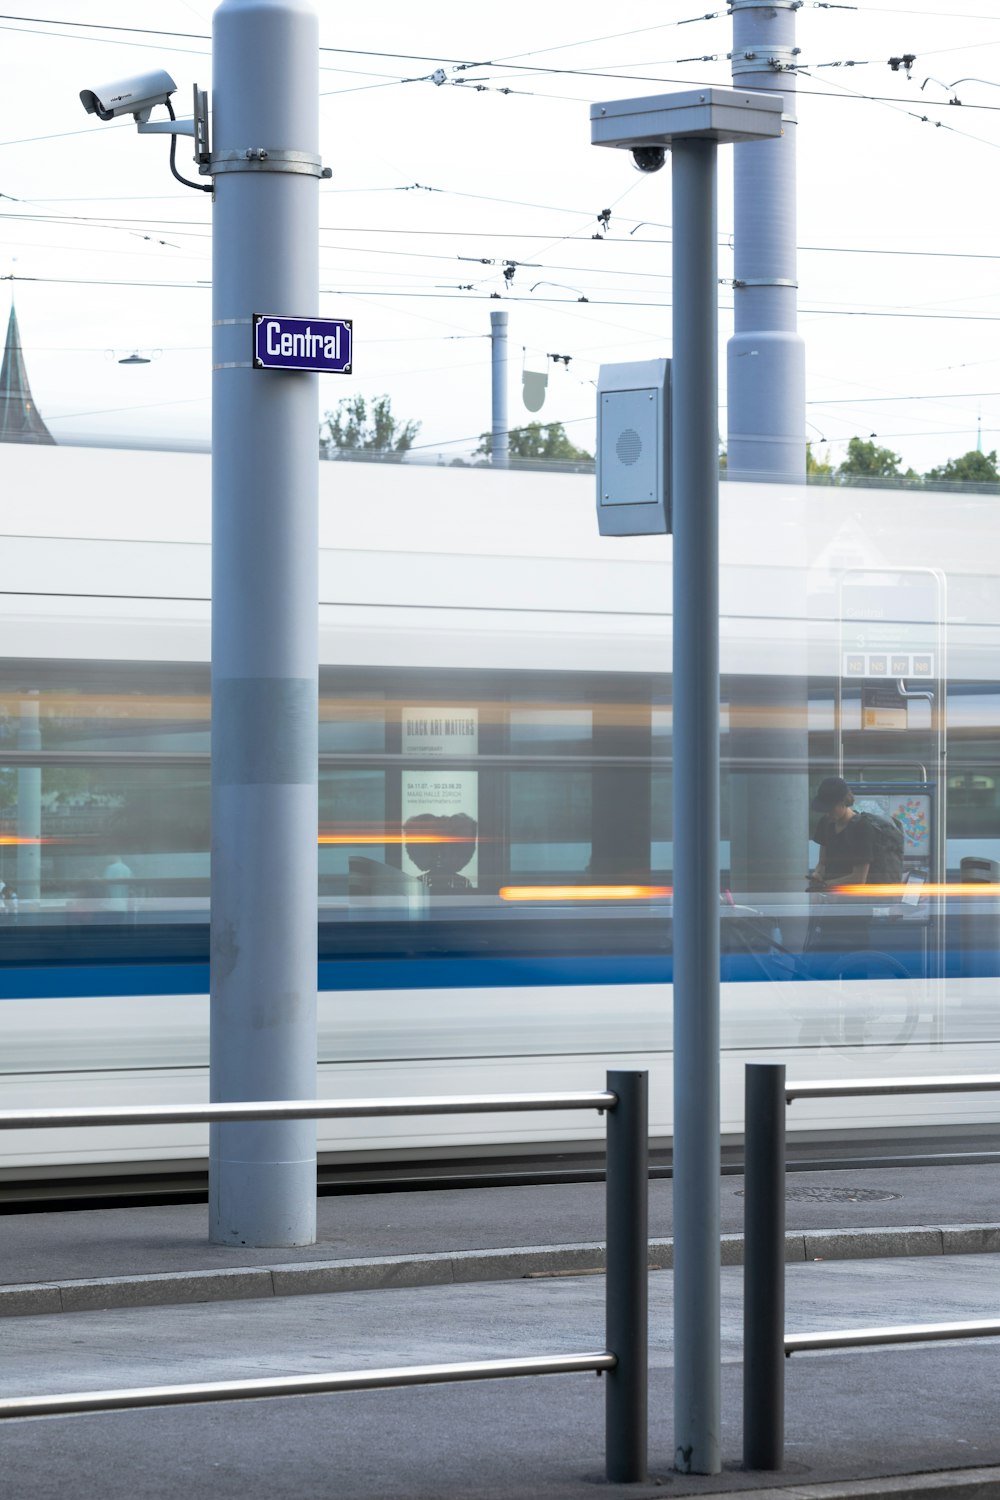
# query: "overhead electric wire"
{"type": "Point", "coordinates": [105, 41]}
{"type": "Point", "coordinates": [465, 63]}
{"type": "Point", "coordinates": [564, 302]}
{"type": "Point", "coordinates": [179, 226]}
{"type": "Point", "coordinates": [901, 109]}
{"type": "Point", "coordinates": [614, 36]}
{"type": "Point", "coordinates": [939, 396]}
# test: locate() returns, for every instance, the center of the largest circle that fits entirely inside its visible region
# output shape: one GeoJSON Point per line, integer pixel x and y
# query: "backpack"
{"type": "Point", "coordinates": [886, 866]}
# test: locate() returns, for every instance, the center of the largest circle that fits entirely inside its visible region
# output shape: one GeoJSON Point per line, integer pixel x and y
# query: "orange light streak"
{"type": "Point", "coordinates": [583, 892]}
{"type": "Point", "coordinates": [8, 839]}
{"type": "Point", "coordinates": [896, 892]}
{"type": "Point", "coordinates": [392, 838]}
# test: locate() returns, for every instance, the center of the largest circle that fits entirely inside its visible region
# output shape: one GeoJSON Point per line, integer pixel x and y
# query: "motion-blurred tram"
{"type": "Point", "coordinates": [495, 795]}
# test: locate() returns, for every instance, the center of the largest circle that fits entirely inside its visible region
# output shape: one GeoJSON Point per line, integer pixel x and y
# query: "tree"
{"type": "Point", "coordinates": [972, 468]}
{"type": "Point", "coordinates": [865, 461]}
{"type": "Point", "coordinates": [352, 428]}
{"type": "Point", "coordinates": [538, 441]}
{"type": "Point", "coordinates": [819, 468]}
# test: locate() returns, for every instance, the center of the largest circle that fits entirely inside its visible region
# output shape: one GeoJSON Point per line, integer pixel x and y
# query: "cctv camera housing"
{"type": "Point", "coordinates": [649, 158]}
{"type": "Point", "coordinates": [129, 96]}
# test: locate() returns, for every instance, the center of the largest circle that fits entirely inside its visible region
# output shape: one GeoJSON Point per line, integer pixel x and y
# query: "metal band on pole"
{"type": "Point", "coordinates": [764, 1268]}
{"type": "Point", "coordinates": [627, 1297]}
{"type": "Point", "coordinates": [263, 159]}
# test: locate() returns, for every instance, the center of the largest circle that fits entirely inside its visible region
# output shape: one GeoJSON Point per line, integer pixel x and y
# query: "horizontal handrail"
{"type": "Point", "coordinates": [625, 1360]}
{"type": "Point", "coordinates": [903, 1333]}
{"type": "Point", "coordinates": [848, 1088]}
{"type": "Point", "coordinates": [302, 1385]}
{"type": "Point", "coordinates": [302, 1109]}
{"type": "Point", "coordinates": [766, 1345]}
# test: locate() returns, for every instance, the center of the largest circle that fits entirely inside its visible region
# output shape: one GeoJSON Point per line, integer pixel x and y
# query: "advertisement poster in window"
{"type": "Point", "coordinates": [440, 808]}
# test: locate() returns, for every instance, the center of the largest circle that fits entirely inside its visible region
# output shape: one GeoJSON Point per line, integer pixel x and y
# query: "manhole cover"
{"type": "Point", "coordinates": [835, 1195]}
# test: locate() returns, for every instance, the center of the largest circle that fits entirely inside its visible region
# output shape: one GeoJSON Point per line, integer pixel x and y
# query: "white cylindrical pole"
{"type": "Point", "coordinates": [500, 450]}
{"type": "Point", "coordinates": [262, 1184]}
{"type": "Point", "coordinates": [766, 355]}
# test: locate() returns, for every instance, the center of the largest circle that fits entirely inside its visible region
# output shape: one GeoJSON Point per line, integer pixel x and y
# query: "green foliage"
{"type": "Point", "coordinates": [818, 467]}
{"type": "Point", "coordinates": [972, 468]}
{"type": "Point", "coordinates": [356, 428]}
{"type": "Point", "coordinates": [538, 441]}
{"type": "Point", "coordinates": [866, 461]}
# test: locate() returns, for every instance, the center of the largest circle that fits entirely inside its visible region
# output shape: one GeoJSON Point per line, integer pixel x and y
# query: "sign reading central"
{"type": "Point", "coordinates": [321, 344]}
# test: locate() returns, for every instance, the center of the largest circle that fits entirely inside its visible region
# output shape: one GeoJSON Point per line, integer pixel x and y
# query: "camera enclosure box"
{"type": "Point", "coordinates": [633, 449]}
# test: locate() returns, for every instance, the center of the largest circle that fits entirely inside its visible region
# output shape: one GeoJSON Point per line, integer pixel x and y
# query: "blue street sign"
{"type": "Point", "coordinates": [322, 344]}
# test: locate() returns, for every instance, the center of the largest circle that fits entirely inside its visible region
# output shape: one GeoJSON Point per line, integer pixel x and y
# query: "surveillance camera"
{"type": "Point", "coordinates": [649, 158]}
{"type": "Point", "coordinates": [130, 96]}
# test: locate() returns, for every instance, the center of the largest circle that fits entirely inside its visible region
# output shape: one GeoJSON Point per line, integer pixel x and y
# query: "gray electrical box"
{"type": "Point", "coordinates": [633, 448]}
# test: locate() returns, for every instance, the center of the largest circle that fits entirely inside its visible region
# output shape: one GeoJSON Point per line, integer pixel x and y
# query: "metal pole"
{"type": "Point", "coordinates": [627, 1307]}
{"type": "Point", "coordinates": [764, 1268]}
{"type": "Point", "coordinates": [766, 441]}
{"type": "Point", "coordinates": [697, 1337]}
{"type": "Point", "coordinates": [766, 355]}
{"type": "Point", "coordinates": [500, 450]}
{"type": "Point", "coordinates": [262, 1175]}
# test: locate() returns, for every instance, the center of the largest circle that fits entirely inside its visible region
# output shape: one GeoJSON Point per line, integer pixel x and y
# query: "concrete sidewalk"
{"type": "Point", "coordinates": [875, 1424]}
{"type": "Point", "coordinates": [125, 1257]}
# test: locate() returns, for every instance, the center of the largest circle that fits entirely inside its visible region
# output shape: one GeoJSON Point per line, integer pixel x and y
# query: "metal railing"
{"type": "Point", "coordinates": [766, 1345]}
{"type": "Point", "coordinates": [624, 1360]}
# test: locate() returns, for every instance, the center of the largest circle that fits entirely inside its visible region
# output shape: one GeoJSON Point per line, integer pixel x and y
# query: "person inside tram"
{"type": "Point", "coordinates": [846, 851]}
{"type": "Point", "coordinates": [846, 841]}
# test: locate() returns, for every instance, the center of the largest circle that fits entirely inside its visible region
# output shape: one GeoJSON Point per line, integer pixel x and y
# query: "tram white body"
{"type": "Point", "coordinates": [106, 557]}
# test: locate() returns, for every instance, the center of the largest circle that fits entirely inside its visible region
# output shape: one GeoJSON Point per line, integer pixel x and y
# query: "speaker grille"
{"type": "Point", "coordinates": [629, 446]}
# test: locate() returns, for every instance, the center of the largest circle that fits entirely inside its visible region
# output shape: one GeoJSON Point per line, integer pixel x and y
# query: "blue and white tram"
{"type": "Point", "coordinates": [495, 788]}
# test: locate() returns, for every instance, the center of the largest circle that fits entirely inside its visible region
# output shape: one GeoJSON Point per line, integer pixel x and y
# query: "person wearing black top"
{"type": "Point", "coordinates": [846, 842]}
{"type": "Point", "coordinates": [846, 848]}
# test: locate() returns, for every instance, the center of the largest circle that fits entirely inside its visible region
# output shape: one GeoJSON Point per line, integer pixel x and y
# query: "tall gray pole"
{"type": "Point", "coordinates": [766, 355]}
{"type": "Point", "coordinates": [695, 484]}
{"type": "Point", "coordinates": [692, 124]}
{"type": "Point", "coordinates": [262, 1176]}
{"type": "Point", "coordinates": [769, 836]}
{"type": "Point", "coordinates": [501, 432]}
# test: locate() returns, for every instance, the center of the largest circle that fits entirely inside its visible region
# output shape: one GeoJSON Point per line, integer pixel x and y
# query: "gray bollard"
{"type": "Point", "coordinates": [627, 1305]}
{"type": "Point", "coordinates": [764, 1268]}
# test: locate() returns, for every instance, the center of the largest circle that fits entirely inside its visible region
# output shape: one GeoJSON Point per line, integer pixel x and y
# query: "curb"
{"type": "Point", "coordinates": [951, 1484]}
{"type": "Point", "coordinates": [449, 1268]}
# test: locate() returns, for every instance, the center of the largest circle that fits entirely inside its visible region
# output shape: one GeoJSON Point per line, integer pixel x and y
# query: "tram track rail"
{"type": "Point", "coordinates": [189, 1185]}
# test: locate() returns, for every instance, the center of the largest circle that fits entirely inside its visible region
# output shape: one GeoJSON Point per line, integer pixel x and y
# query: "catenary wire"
{"type": "Point", "coordinates": [566, 302]}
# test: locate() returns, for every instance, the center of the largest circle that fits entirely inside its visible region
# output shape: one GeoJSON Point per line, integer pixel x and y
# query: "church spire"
{"type": "Point", "coordinates": [19, 418]}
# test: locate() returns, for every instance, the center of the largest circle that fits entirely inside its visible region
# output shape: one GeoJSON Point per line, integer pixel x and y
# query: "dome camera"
{"type": "Point", "coordinates": [649, 158]}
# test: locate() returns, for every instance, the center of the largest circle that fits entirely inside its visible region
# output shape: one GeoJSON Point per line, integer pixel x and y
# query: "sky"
{"type": "Point", "coordinates": [898, 223]}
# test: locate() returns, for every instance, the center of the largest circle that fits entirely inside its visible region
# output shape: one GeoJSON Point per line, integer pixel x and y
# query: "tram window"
{"type": "Point", "coordinates": [351, 721]}
{"type": "Point", "coordinates": [549, 728]}
{"type": "Point", "coordinates": [550, 822]}
{"type": "Point", "coordinates": [104, 839]}
{"type": "Point", "coordinates": [352, 818]}
{"type": "Point", "coordinates": [662, 823]}
{"type": "Point", "coordinates": [116, 707]}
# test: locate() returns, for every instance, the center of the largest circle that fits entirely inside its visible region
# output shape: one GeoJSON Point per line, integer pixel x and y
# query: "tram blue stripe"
{"type": "Point", "coordinates": [459, 972]}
